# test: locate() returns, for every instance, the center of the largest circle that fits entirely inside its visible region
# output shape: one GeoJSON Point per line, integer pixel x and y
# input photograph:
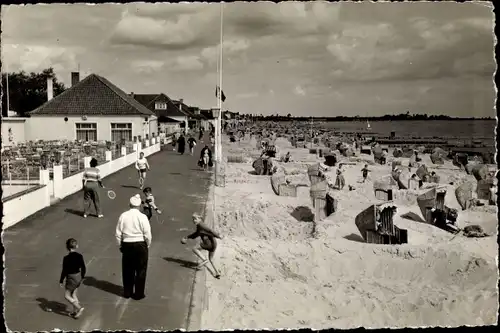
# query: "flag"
{"type": "Point", "coordinates": [223, 97]}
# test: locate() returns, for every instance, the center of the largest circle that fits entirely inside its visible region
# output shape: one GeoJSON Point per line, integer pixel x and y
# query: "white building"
{"type": "Point", "coordinates": [93, 109]}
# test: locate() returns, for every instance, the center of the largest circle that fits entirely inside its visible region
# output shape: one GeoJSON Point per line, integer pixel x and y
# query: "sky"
{"type": "Point", "coordinates": [303, 58]}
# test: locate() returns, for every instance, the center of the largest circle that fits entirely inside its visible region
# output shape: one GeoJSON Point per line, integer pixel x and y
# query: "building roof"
{"type": "Point", "coordinates": [94, 95]}
{"type": "Point", "coordinates": [172, 110]}
{"type": "Point", "coordinates": [207, 113]}
{"type": "Point", "coordinates": [183, 107]}
{"type": "Point", "coordinates": [163, 119]}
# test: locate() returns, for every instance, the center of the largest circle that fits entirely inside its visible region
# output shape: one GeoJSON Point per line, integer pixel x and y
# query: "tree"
{"type": "Point", "coordinates": [28, 91]}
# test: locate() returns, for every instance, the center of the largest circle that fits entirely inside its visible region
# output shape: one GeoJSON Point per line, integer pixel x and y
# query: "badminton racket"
{"type": "Point", "coordinates": [158, 219]}
{"type": "Point", "coordinates": [111, 194]}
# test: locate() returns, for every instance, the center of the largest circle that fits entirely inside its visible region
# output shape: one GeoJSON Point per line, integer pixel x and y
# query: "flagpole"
{"type": "Point", "coordinates": [7, 88]}
{"type": "Point", "coordinates": [220, 78]}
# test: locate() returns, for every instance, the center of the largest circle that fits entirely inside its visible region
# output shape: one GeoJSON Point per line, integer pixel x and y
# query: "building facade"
{"type": "Point", "coordinates": [93, 109]}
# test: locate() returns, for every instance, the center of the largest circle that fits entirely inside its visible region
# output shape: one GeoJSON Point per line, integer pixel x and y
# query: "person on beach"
{"type": "Point", "coordinates": [181, 144]}
{"type": "Point", "coordinates": [149, 203]}
{"type": "Point", "coordinates": [91, 182]}
{"type": "Point", "coordinates": [73, 273]}
{"type": "Point", "coordinates": [133, 235]}
{"type": "Point", "coordinates": [191, 144]}
{"type": "Point", "coordinates": [200, 136]}
{"type": "Point", "coordinates": [340, 183]}
{"type": "Point", "coordinates": [142, 167]}
{"type": "Point", "coordinates": [208, 243]}
{"type": "Point", "coordinates": [364, 172]}
{"type": "Point", "coordinates": [205, 158]}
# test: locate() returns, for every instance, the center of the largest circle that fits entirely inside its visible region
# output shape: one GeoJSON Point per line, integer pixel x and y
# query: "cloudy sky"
{"type": "Point", "coordinates": [314, 58]}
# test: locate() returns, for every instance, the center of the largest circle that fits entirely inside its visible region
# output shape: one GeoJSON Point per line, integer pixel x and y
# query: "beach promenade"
{"type": "Point", "coordinates": [35, 248]}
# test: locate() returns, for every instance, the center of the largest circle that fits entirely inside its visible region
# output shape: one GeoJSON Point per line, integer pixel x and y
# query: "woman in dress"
{"type": "Point", "coordinates": [205, 157]}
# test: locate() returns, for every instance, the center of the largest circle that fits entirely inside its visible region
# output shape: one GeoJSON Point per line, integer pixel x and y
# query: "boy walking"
{"type": "Point", "coordinates": [73, 271]}
{"type": "Point", "coordinates": [207, 242]}
{"type": "Point", "coordinates": [364, 172]}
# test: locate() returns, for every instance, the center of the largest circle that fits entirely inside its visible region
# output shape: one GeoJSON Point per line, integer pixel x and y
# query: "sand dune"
{"type": "Point", "coordinates": [280, 270]}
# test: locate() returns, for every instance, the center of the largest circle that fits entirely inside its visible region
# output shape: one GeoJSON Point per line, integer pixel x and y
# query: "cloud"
{"type": "Point", "coordinates": [147, 66]}
{"type": "Point", "coordinates": [188, 63]}
{"type": "Point", "coordinates": [384, 51]}
{"type": "Point", "coordinates": [38, 57]}
{"type": "Point", "coordinates": [246, 95]}
{"type": "Point", "coordinates": [284, 18]}
{"type": "Point", "coordinates": [230, 48]}
{"type": "Point", "coordinates": [164, 29]}
{"type": "Point", "coordinates": [298, 90]}
{"type": "Point", "coordinates": [429, 57]}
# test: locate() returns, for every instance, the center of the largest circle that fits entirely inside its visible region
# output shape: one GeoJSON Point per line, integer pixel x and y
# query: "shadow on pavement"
{"type": "Point", "coordinates": [130, 186]}
{"type": "Point", "coordinates": [52, 306]}
{"type": "Point", "coordinates": [182, 262]}
{"type": "Point", "coordinates": [74, 211]}
{"type": "Point", "coordinates": [103, 285]}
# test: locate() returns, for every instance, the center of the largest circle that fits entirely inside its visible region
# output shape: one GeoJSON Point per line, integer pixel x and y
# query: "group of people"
{"type": "Point", "coordinates": [132, 233]}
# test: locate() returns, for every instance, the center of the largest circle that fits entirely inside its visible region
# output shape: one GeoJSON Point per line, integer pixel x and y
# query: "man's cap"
{"type": "Point", "coordinates": [135, 201]}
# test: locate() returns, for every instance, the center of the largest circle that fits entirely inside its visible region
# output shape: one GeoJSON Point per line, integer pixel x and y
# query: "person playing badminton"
{"type": "Point", "coordinates": [208, 243]}
{"type": "Point", "coordinates": [91, 182]}
{"type": "Point", "coordinates": [149, 203]}
{"type": "Point", "coordinates": [142, 167]}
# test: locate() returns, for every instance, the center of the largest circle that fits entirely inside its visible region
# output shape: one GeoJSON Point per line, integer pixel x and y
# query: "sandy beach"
{"type": "Point", "coordinates": [280, 271]}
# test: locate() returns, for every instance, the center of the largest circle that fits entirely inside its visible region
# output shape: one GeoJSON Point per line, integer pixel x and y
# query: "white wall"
{"type": "Point", "coordinates": [153, 126]}
{"type": "Point", "coordinates": [19, 208]}
{"type": "Point", "coordinates": [18, 133]}
{"type": "Point", "coordinates": [37, 127]}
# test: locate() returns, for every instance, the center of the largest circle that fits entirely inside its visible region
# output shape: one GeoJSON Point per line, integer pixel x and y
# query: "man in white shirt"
{"type": "Point", "coordinates": [133, 236]}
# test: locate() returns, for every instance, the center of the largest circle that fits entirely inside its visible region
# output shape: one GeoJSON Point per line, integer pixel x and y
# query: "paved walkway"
{"type": "Point", "coordinates": [35, 248]}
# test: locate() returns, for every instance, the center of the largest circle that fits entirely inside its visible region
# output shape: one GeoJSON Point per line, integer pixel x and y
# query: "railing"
{"type": "Point", "coordinates": [20, 173]}
{"type": "Point", "coordinates": [26, 169]}
{"type": "Point", "coordinates": [72, 164]}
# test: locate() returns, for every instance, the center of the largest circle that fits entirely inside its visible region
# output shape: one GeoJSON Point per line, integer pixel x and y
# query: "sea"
{"type": "Point", "coordinates": [459, 129]}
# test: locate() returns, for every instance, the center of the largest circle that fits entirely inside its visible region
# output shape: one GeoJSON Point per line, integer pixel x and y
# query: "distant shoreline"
{"type": "Point", "coordinates": [351, 119]}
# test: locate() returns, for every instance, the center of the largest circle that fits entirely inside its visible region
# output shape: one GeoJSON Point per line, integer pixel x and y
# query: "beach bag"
{"type": "Point", "coordinates": [200, 163]}
{"type": "Point", "coordinates": [464, 195]}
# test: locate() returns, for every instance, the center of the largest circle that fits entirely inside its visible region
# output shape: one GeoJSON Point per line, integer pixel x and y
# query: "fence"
{"type": "Point", "coordinates": [20, 172]}
{"type": "Point", "coordinates": [72, 164]}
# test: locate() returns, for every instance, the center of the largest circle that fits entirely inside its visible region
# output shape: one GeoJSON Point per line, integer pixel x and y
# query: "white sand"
{"type": "Point", "coordinates": [278, 272]}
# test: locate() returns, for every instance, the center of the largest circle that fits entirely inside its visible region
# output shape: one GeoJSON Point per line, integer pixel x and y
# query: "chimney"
{"type": "Point", "coordinates": [75, 78]}
{"type": "Point", "coordinates": [180, 103]}
{"type": "Point", "coordinates": [50, 89]}
{"type": "Point", "coordinates": [132, 94]}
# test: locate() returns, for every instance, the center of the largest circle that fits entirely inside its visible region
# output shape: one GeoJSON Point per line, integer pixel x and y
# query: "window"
{"type": "Point", "coordinates": [86, 131]}
{"type": "Point", "coordinates": [160, 106]}
{"type": "Point", "coordinates": [121, 131]}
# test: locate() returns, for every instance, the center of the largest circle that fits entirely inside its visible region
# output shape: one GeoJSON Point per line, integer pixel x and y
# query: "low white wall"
{"type": "Point", "coordinates": [73, 183]}
{"type": "Point", "coordinates": [19, 208]}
